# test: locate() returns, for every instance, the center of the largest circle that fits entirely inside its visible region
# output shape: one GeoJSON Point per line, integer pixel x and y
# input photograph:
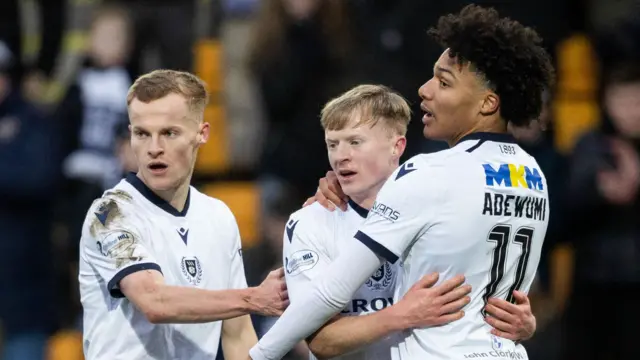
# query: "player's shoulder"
{"type": "Point", "coordinates": [115, 213]}
{"type": "Point", "coordinates": [310, 219]}
{"type": "Point", "coordinates": [211, 207]}
{"type": "Point", "coordinates": [114, 205]}
{"type": "Point", "coordinates": [422, 170]}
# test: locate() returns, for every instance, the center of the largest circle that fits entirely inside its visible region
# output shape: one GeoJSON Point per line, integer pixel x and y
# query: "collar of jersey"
{"type": "Point", "coordinates": [155, 199]}
{"type": "Point", "coordinates": [359, 209]}
{"type": "Point", "coordinates": [488, 136]}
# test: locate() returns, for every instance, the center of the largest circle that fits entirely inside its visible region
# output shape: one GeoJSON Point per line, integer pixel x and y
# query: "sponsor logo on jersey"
{"type": "Point", "coordinates": [300, 261]}
{"type": "Point", "coordinates": [191, 269]}
{"type": "Point", "coordinates": [382, 278]}
{"type": "Point", "coordinates": [498, 352]}
{"type": "Point", "coordinates": [115, 243]}
{"type": "Point", "coordinates": [357, 306]}
{"type": "Point", "coordinates": [510, 175]}
{"type": "Point", "coordinates": [385, 211]}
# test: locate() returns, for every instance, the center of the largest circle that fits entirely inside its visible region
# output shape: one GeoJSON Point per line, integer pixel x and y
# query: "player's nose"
{"type": "Point", "coordinates": [155, 148]}
{"type": "Point", "coordinates": [343, 152]}
{"type": "Point", "coordinates": [425, 91]}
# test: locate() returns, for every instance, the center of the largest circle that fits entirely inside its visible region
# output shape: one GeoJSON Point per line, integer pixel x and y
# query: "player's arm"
{"type": "Point", "coordinates": [119, 253]}
{"type": "Point", "coordinates": [162, 303]}
{"type": "Point", "coordinates": [423, 305]}
{"type": "Point", "coordinates": [238, 334]}
{"type": "Point", "coordinates": [384, 235]}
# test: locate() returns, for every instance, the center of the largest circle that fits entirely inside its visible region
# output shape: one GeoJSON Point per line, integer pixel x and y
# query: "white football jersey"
{"type": "Point", "coordinates": [131, 229]}
{"type": "Point", "coordinates": [313, 238]}
{"type": "Point", "coordinates": [479, 209]}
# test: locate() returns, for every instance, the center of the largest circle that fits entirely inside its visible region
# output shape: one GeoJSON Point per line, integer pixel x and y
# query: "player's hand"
{"type": "Point", "coordinates": [620, 185]}
{"type": "Point", "coordinates": [329, 193]}
{"type": "Point", "coordinates": [428, 305]}
{"type": "Point", "coordinates": [511, 321]}
{"type": "Point", "coordinates": [271, 297]}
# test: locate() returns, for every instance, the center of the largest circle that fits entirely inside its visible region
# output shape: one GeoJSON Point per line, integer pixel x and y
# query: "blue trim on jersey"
{"type": "Point", "coordinates": [487, 136]}
{"type": "Point", "coordinates": [112, 286]}
{"type": "Point", "coordinates": [143, 189]}
{"type": "Point", "coordinates": [359, 209]}
{"type": "Point", "coordinates": [376, 247]}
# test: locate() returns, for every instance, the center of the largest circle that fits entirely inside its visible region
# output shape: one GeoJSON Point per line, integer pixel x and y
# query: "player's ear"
{"type": "Point", "coordinates": [490, 104]}
{"type": "Point", "coordinates": [203, 134]}
{"type": "Point", "coordinates": [399, 145]}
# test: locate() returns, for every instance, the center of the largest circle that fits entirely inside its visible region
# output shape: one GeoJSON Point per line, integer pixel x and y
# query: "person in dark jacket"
{"type": "Point", "coordinates": [604, 192]}
{"type": "Point", "coordinates": [29, 159]}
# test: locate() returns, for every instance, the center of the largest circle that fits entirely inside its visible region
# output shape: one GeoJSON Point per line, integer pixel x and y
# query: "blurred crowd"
{"type": "Point", "coordinates": [66, 66]}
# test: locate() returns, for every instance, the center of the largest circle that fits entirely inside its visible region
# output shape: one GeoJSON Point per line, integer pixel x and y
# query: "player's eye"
{"type": "Point", "coordinates": [355, 142]}
{"type": "Point", "coordinates": [443, 84]}
{"type": "Point", "coordinates": [139, 134]}
{"type": "Point", "coordinates": [171, 133]}
{"type": "Point", "coordinates": [331, 145]}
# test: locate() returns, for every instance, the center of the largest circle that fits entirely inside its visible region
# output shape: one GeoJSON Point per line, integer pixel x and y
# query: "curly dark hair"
{"type": "Point", "coordinates": [508, 55]}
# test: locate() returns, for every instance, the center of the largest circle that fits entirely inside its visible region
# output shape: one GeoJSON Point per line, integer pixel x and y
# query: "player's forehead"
{"type": "Point", "coordinates": [451, 68]}
{"type": "Point", "coordinates": [359, 124]}
{"type": "Point", "coordinates": [446, 63]}
{"type": "Point", "coordinates": [171, 110]}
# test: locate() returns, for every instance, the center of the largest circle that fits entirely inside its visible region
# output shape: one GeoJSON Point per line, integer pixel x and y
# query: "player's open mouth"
{"type": "Point", "coordinates": [427, 113]}
{"type": "Point", "coordinates": [347, 174]}
{"type": "Point", "coordinates": [157, 167]}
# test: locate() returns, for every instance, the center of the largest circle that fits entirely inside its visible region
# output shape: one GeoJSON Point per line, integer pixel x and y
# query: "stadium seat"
{"type": "Point", "coordinates": [213, 156]}
{"type": "Point", "coordinates": [575, 108]}
{"type": "Point", "coordinates": [243, 198]}
{"type": "Point", "coordinates": [65, 345]}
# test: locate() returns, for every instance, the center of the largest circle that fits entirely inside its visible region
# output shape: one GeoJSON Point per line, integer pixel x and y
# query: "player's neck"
{"type": "Point", "coordinates": [498, 127]}
{"type": "Point", "coordinates": [364, 201]}
{"type": "Point", "coordinates": [176, 197]}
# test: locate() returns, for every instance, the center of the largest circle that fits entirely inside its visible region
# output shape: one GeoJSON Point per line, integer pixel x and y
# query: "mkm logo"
{"type": "Point", "coordinates": [511, 175]}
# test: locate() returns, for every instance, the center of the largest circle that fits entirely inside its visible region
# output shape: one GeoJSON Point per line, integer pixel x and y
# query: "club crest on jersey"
{"type": "Point", "coordinates": [382, 278]}
{"type": "Point", "coordinates": [192, 270]}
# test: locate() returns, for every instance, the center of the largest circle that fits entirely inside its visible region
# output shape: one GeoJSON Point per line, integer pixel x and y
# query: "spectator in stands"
{"type": "Point", "coordinates": [604, 190]}
{"type": "Point", "coordinates": [167, 26]}
{"type": "Point", "coordinates": [52, 16]}
{"type": "Point", "coordinates": [29, 170]}
{"type": "Point", "coordinates": [299, 57]}
{"type": "Point", "coordinates": [94, 115]}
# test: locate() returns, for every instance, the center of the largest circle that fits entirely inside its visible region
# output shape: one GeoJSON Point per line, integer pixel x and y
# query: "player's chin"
{"type": "Point", "coordinates": [160, 182]}
{"type": "Point", "coordinates": [351, 188]}
{"type": "Point", "coordinates": [432, 131]}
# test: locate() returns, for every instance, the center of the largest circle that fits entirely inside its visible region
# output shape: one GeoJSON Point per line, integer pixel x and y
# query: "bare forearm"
{"type": "Point", "coordinates": [348, 333]}
{"type": "Point", "coordinates": [174, 304]}
{"type": "Point", "coordinates": [238, 336]}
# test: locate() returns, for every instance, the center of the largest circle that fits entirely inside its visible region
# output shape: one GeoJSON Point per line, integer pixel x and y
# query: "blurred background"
{"type": "Point", "coordinates": [65, 68]}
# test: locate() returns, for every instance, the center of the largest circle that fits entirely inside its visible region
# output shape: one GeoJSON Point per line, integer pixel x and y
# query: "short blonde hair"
{"type": "Point", "coordinates": [374, 103]}
{"type": "Point", "coordinates": [160, 83]}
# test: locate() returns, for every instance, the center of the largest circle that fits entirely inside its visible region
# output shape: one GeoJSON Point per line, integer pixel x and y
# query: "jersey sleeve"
{"type": "Point", "coordinates": [304, 255]}
{"type": "Point", "coordinates": [114, 245]}
{"type": "Point", "coordinates": [403, 210]}
{"type": "Point", "coordinates": [237, 278]}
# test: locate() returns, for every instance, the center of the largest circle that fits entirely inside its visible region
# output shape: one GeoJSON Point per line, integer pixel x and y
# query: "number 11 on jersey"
{"type": "Point", "coordinates": [501, 236]}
